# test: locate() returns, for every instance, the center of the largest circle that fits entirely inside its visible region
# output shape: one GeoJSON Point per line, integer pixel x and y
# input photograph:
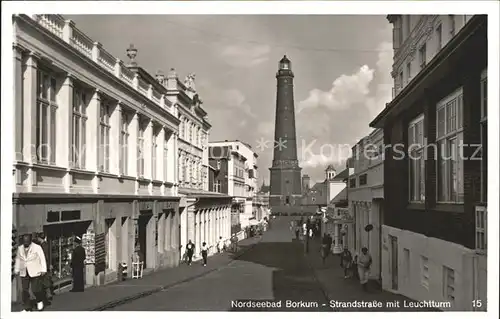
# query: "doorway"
{"type": "Point", "coordinates": [394, 261]}
{"type": "Point", "coordinates": [142, 226]}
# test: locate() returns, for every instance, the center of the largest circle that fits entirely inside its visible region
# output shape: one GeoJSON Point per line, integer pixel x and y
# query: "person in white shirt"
{"type": "Point", "coordinates": [220, 245]}
{"type": "Point", "coordinates": [31, 266]}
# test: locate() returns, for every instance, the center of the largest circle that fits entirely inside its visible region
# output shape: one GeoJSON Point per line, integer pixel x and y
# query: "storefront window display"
{"type": "Point", "coordinates": [61, 240]}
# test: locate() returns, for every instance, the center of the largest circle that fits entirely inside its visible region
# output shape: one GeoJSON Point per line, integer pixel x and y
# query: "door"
{"type": "Point", "coordinates": [380, 239]}
{"type": "Point", "coordinates": [394, 262]}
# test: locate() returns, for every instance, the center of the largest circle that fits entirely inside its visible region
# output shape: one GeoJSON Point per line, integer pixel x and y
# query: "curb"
{"type": "Point", "coordinates": [128, 299]}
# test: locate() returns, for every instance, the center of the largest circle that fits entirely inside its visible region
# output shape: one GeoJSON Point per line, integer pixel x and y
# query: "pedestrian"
{"type": "Point", "coordinates": [234, 243]}
{"type": "Point", "coordinates": [31, 266]}
{"type": "Point", "coordinates": [190, 252]}
{"type": "Point", "coordinates": [220, 245]}
{"type": "Point", "coordinates": [48, 285]}
{"type": "Point", "coordinates": [324, 248]}
{"type": "Point", "coordinates": [346, 262]}
{"type": "Point", "coordinates": [364, 264]}
{"type": "Point", "coordinates": [311, 234]}
{"type": "Point", "coordinates": [330, 242]}
{"type": "Point", "coordinates": [204, 253]}
{"type": "Point", "coordinates": [78, 266]}
{"type": "Point", "coordinates": [297, 232]}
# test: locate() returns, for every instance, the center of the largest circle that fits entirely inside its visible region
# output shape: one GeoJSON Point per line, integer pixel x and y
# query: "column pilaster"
{"type": "Point", "coordinates": [18, 104]}
{"type": "Point", "coordinates": [148, 147]}
{"type": "Point", "coordinates": [30, 109]}
{"type": "Point", "coordinates": [114, 140]}
{"type": "Point", "coordinates": [93, 145]}
{"type": "Point", "coordinates": [133, 163]}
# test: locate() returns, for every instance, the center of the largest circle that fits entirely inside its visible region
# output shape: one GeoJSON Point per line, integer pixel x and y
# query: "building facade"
{"type": "Point", "coordinates": [285, 172]}
{"type": "Point", "coordinates": [236, 175]}
{"type": "Point", "coordinates": [366, 196]}
{"type": "Point", "coordinates": [434, 237]}
{"type": "Point", "coordinates": [205, 215]}
{"type": "Point", "coordinates": [95, 150]}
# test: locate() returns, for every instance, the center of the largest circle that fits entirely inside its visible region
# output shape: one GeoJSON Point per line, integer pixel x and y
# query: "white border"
{"type": "Point", "coordinates": [256, 7]}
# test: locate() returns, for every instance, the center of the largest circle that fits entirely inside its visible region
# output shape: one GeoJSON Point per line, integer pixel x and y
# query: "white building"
{"type": "Point", "coordinates": [366, 195]}
{"type": "Point", "coordinates": [242, 178]}
{"type": "Point", "coordinates": [95, 152]}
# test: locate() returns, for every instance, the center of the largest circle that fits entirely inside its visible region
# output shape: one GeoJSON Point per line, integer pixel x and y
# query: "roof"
{"type": "Point", "coordinates": [264, 188]}
{"type": "Point", "coordinates": [285, 59]}
{"type": "Point", "coordinates": [342, 175]}
{"type": "Point", "coordinates": [330, 168]}
{"type": "Point", "coordinates": [342, 196]}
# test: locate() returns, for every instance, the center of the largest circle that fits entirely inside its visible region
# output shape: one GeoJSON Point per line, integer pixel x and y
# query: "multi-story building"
{"type": "Point", "coordinates": [205, 215]}
{"type": "Point", "coordinates": [95, 152]}
{"type": "Point", "coordinates": [236, 175]}
{"type": "Point", "coordinates": [366, 195]}
{"type": "Point", "coordinates": [434, 237]}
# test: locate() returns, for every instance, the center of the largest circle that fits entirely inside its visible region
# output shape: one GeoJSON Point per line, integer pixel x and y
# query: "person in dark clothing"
{"type": "Point", "coordinates": [78, 266]}
{"type": "Point", "coordinates": [48, 285]}
{"type": "Point", "coordinates": [204, 253]}
{"type": "Point", "coordinates": [346, 262]}
{"type": "Point", "coordinates": [190, 251]}
{"type": "Point", "coordinates": [324, 248]}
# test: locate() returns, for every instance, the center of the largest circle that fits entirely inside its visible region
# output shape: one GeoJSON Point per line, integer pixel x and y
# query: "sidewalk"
{"type": "Point", "coordinates": [336, 287]}
{"type": "Point", "coordinates": [104, 297]}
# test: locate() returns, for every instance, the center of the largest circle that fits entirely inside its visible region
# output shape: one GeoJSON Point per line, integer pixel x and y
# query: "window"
{"type": "Point", "coordinates": [448, 284]}
{"type": "Point", "coordinates": [397, 33]}
{"type": "Point", "coordinates": [154, 151]}
{"type": "Point", "coordinates": [416, 159]}
{"type": "Point", "coordinates": [439, 37]}
{"type": "Point", "coordinates": [181, 128]}
{"type": "Point", "coordinates": [46, 117]}
{"type": "Point", "coordinates": [424, 272]}
{"type": "Point", "coordinates": [406, 254]}
{"type": "Point", "coordinates": [80, 103]}
{"type": "Point", "coordinates": [352, 183]}
{"type": "Point", "coordinates": [408, 71]}
{"type": "Point", "coordinates": [165, 155]}
{"type": "Point", "coordinates": [449, 140]}
{"type": "Point", "coordinates": [481, 227]}
{"type": "Point", "coordinates": [401, 80]}
{"type": "Point", "coordinates": [193, 172]}
{"type": "Point", "coordinates": [423, 55]}
{"type": "Point", "coordinates": [407, 20]}
{"type": "Point", "coordinates": [217, 186]}
{"type": "Point", "coordinates": [124, 121]}
{"type": "Point", "coordinates": [362, 179]}
{"type": "Point", "coordinates": [484, 137]}
{"type": "Point", "coordinates": [451, 18]}
{"type": "Point", "coordinates": [140, 147]}
{"type": "Point", "coordinates": [104, 128]}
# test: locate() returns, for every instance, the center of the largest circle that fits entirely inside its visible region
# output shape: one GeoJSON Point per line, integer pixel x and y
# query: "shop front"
{"type": "Point", "coordinates": [61, 223]}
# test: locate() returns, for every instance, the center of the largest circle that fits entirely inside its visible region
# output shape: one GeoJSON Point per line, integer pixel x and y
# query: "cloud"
{"type": "Point", "coordinates": [342, 114]}
{"type": "Point", "coordinates": [235, 99]}
{"type": "Point", "coordinates": [244, 56]}
{"type": "Point", "coordinates": [346, 90]}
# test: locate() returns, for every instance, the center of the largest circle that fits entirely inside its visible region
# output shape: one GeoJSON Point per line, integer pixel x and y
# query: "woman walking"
{"type": "Point", "coordinates": [346, 262]}
{"type": "Point", "coordinates": [364, 264]}
{"type": "Point", "coordinates": [204, 253]}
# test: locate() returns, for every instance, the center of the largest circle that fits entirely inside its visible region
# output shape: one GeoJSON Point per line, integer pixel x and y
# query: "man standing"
{"type": "Point", "coordinates": [31, 267]}
{"type": "Point", "coordinates": [47, 280]}
{"type": "Point", "coordinates": [78, 266]}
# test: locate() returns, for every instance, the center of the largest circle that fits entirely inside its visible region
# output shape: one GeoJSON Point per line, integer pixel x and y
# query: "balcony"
{"type": "Point", "coordinates": [481, 229]}
{"type": "Point", "coordinates": [66, 30]}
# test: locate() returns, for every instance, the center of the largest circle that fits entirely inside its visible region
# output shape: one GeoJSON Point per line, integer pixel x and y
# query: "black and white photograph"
{"type": "Point", "coordinates": [239, 156]}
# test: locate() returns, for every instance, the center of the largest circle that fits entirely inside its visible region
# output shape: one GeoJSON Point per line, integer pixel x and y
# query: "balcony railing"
{"type": "Point", "coordinates": [66, 30]}
{"type": "Point", "coordinates": [481, 228]}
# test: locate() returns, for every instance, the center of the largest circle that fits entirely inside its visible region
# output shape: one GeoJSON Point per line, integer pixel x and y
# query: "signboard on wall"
{"type": "Point", "coordinates": [100, 253]}
{"type": "Point", "coordinates": [88, 243]}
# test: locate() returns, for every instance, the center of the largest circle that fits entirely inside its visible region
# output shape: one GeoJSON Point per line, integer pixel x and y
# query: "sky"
{"type": "Point", "coordinates": [341, 63]}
